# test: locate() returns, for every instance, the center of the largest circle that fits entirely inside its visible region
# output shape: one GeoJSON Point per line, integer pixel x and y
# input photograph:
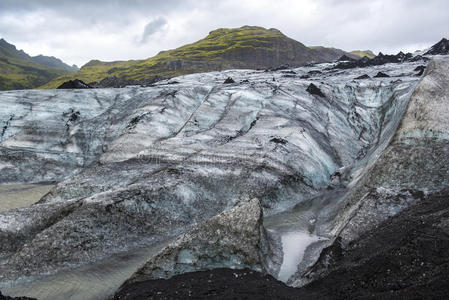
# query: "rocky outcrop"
{"type": "Point", "coordinates": [234, 239]}
{"type": "Point", "coordinates": [378, 60]}
{"type": "Point", "coordinates": [440, 48]}
{"type": "Point", "coordinates": [74, 84]}
{"type": "Point", "coordinates": [115, 82]}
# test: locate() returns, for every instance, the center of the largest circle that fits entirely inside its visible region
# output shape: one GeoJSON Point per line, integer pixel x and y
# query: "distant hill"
{"type": "Point", "coordinates": [51, 61]}
{"type": "Point", "coordinates": [18, 70]}
{"type": "Point", "coordinates": [247, 47]}
{"type": "Point", "coordinates": [330, 54]}
{"type": "Point", "coordinates": [363, 53]}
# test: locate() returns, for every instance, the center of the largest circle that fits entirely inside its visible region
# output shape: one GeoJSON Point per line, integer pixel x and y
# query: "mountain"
{"type": "Point", "coordinates": [18, 70]}
{"type": "Point", "coordinates": [247, 47]}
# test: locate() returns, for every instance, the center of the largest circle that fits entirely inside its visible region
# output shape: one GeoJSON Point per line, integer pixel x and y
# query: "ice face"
{"type": "Point", "coordinates": [138, 165]}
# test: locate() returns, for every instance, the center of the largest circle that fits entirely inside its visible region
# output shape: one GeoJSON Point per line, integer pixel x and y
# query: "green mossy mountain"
{"type": "Point", "coordinates": [247, 47]}
{"type": "Point", "coordinates": [18, 70]}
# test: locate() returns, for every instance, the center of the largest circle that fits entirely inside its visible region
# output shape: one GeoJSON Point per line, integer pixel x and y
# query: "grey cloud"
{"type": "Point", "coordinates": [153, 27]}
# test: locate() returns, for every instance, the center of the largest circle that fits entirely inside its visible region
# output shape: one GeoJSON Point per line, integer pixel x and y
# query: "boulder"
{"type": "Point", "coordinates": [229, 80]}
{"type": "Point", "coordinates": [420, 70]}
{"type": "Point", "coordinates": [381, 74]}
{"type": "Point", "coordinates": [314, 90]}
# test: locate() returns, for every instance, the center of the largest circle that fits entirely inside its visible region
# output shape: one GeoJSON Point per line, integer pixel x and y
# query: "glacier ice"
{"type": "Point", "coordinates": [135, 166]}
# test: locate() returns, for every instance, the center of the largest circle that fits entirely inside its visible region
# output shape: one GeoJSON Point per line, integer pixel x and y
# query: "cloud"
{"type": "Point", "coordinates": [152, 27]}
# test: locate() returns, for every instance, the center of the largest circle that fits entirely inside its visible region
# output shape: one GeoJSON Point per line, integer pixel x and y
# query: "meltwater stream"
{"type": "Point", "coordinates": [294, 245]}
{"type": "Point", "coordinates": [302, 230]}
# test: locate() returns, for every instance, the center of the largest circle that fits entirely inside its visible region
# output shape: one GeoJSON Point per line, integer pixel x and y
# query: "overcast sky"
{"type": "Point", "coordinates": [80, 30]}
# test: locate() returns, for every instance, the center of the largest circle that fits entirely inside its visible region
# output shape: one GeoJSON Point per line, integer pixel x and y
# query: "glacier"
{"type": "Point", "coordinates": [139, 166]}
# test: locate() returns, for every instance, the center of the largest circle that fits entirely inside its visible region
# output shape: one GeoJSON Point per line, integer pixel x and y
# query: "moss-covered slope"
{"type": "Point", "coordinates": [19, 71]}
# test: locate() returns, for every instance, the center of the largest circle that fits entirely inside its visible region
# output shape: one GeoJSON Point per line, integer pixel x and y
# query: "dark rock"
{"type": "Point", "coordinates": [74, 84]}
{"type": "Point", "coordinates": [229, 80]}
{"type": "Point", "coordinates": [346, 58]}
{"type": "Point", "coordinates": [244, 81]}
{"type": "Point", "coordinates": [289, 72]}
{"type": "Point", "coordinates": [214, 284]}
{"type": "Point", "coordinates": [278, 141]}
{"type": "Point", "coordinates": [442, 48]}
{"type": "Point", "coordinates": [381, 74]}
{"type": "Point", "coordinates": [364, 76]}
{"type": "Point", "coordinates": [314, 72]}
{"type": "Point", "coordinates": [74, 116]}
{"type": "Point", "coordinates": [420, 70]}
{"type": "Point", "coordinates": [304, 77]}
{"type": "Point", "coordinates": [3, 297]}
{"type": "Point", "coordinates": [314, 90]}
{"type": "Point", "coordinates": [407, 256]}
